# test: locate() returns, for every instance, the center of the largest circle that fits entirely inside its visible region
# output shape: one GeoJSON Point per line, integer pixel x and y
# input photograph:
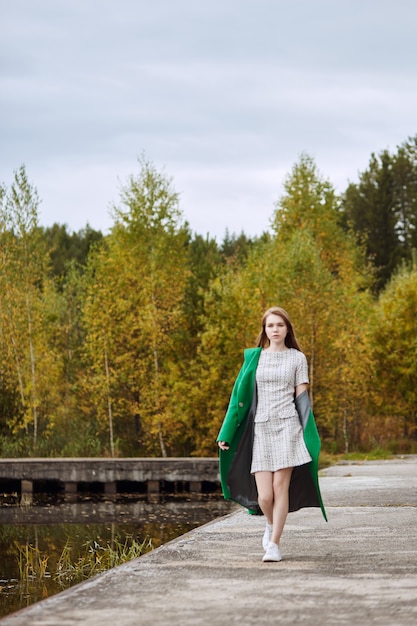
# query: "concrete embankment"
{"type": "Point", "coordinates": [360, 568]}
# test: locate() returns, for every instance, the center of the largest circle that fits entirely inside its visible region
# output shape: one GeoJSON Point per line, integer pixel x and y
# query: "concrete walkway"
{"type": "Point", "coordinates": [358, 569]}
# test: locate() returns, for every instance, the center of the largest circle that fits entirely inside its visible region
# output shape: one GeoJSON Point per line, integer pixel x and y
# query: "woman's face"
{"type": "Point", "coordinates": [275, 328]}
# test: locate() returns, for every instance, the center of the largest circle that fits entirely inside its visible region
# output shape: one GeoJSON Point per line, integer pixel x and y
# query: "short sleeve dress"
{"type": "Point", "coordinates": [278, 434]}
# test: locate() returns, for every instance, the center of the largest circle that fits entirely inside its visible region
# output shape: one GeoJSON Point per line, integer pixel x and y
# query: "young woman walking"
{"type": "Point", "coordinates": [269, 433]}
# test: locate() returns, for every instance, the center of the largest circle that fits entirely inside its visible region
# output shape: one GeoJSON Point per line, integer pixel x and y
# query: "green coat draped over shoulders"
{"type": "Point", "coordinates": [237, 482]}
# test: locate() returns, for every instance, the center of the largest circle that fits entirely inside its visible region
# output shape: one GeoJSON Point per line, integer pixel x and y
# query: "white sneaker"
{"type": "Point", "coordinates": [267, 536]}
{"type": "Point", "coordinates": [272, 553]}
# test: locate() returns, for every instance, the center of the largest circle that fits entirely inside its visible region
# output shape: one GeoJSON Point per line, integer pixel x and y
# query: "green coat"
{"type": "Point", "coordinates": [237, 482]}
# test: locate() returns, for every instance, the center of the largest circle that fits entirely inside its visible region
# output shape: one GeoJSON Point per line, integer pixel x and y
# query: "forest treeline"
{"type": "Point", "coordinates": [127, 344]}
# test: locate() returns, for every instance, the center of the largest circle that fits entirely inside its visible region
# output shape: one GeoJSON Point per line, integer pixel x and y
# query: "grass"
{"type": "Point", "coordinates": [328, 458]}
{"type": "Point", "coordinates": [96, 558]}
{"type": "Point", "coordinates": [71, 568]}
{"type": "Point", "coordinates": [32, 564]}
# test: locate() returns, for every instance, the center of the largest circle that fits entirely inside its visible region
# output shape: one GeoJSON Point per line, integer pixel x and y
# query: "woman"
{"type": "Point", "coordinates": [269, 432]}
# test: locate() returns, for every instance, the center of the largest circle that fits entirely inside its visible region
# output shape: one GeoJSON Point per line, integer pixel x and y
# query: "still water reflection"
{"type": "Point", "coordinates": [48, 526]}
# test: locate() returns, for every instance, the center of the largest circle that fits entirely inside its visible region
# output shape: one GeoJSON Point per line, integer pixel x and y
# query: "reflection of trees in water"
{"type": "Point", "coordinates": [198, 509]}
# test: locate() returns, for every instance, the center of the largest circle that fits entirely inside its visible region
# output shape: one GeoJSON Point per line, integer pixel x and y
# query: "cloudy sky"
{"type": "Point", "coordinates": [221, 95]}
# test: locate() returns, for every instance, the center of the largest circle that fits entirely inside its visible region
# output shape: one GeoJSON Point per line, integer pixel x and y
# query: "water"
{"type": "Point", "coordinates": [45, 526]}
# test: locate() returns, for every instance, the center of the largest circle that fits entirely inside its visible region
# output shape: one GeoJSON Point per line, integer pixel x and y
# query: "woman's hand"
{"type": "Point", "coordinates": [223, 445]}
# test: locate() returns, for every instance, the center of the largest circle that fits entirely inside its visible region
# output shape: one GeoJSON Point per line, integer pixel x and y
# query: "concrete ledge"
{"type": "Point", "coordinates": [107, 470]}
{"type": "Point", "coordinates": [112, 474]}
{"type": "Point", "coordinates": [360, 568]}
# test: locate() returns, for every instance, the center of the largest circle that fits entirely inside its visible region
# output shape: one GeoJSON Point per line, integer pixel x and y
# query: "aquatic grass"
{"type": "Point", "coordinates": [70, 567]}
{"type": "Point", "coordinates": [97, 558]}
{"type": "Point", "coordinates": [32, 563]}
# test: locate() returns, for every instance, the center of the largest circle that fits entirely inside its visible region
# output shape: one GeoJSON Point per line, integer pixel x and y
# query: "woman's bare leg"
{"type": "Point", "coordinates": [280, 485]}
{"type": "Point", "coordinates": [265, 485]}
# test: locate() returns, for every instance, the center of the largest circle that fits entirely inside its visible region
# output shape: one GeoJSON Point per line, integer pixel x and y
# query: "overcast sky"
{"type": "Point", "coordinates": [221, 95]}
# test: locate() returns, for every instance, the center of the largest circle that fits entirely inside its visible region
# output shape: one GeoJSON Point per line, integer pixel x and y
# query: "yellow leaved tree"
{"type": "Point", "coordinates": [133, 315]}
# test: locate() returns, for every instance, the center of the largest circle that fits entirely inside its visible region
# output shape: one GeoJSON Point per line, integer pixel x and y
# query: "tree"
{"type": "Point", "coordinates": [405, 178]}
{"type": "Point", "coordinates": [133, 314]}
{"type": "Point", "coordinates": [66, 248]}
{"type": "Point", "coordinates": [236, 248]}
{"type": "Point", "coordinates": [370, 208]}
{"type": "Point", "coordinates": [382, 208]}
{"type": "Point", "coordinates": [204, 264]}
{"type": "Point", "coordinates": [325, 278]}
{"type": "Point", "coordinates": [315, 271]}
{"type": "Point", "coordinates": [26, 300]}
{"type": "Point", "coordinates": [394, 341]}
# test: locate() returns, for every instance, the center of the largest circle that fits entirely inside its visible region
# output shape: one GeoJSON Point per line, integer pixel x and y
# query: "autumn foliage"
{"type": "Point", "coordinates": [133, 351]}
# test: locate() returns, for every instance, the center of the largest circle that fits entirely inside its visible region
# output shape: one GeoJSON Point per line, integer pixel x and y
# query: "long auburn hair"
{"type": "Point", "coordinates": [290, 339]}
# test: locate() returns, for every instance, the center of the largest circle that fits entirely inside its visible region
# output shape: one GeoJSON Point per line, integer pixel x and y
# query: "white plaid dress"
{"type": "Point", "coordinates": [278, 435]}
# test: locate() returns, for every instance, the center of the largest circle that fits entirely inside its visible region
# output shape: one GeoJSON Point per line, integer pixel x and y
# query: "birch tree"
{"type": "Point", "coordinates": [315, 271]}
{"type": "Point", "coordinates": [394, 341]}
{"type": "Point", "coordinates": [134, 312]}
{"type": "Point", "coordinates": [25, 291]}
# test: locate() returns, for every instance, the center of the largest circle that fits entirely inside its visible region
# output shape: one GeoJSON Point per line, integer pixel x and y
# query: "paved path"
{"type": "Point", "coordinates": [358, 569]}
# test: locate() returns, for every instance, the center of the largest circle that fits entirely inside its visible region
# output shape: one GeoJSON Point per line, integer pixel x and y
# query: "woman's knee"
{"type": "Point", "coordinates": [265, 487]}
{"type": "Point", "coordinates": [265, 499]}
{"type": "Point", "coordinates": [282, 480]}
